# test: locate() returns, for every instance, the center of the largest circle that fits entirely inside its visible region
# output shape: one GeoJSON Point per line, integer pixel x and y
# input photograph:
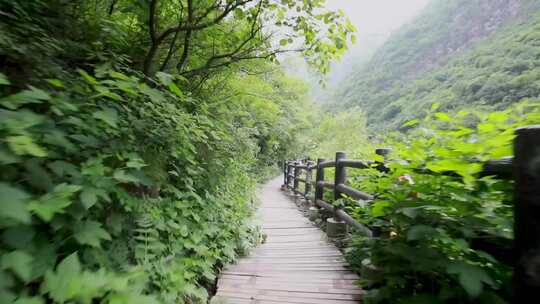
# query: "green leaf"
{"type": "Point", "coordinates": [64, 283]}
{"type": "Point", "coordinates": [283, 42]}
{"type": "Point", "coordinates": [18, 236]}
{"type": "Point", "coordinates": [4, 80]}
{"type": "Point", "coordinates": [54, 202]}
{"type": "Point", "coordinates": [411, 123]}
{"type": "Point", "coordinates": [435, 106]}
{"type": "Point", "coordinates": [164, 78]}
{"type": "Point", "coordinates": [89, 196]}
{"type": "Point", "coordinates": [470, 277]}
{"type": "Point", "coordinates": [378, 208]}
{"type": "Point", "coordinates": [124, 177]}
{"type": "Point", "coordinates": [90, 233]}
{"type": "Point", "coordinates": [136, 163]}
{"type": "Point", "coordinates": [87, 77]}
{"type": "Point", "coordinates": [107, 115]}
{"type": "Point", "coordinates": [13, 204]}
{"type": "Point", "coordinates": [19, 262]}
{"type": "Point", "coordinates": [33, 95]}
{"type": "Point", "coordinates": [55, 83]}
{"type": "Point", "coordinates": [420, 232]}
{"type": "Point", "coordinates": [29, 300]}
{"type": "Point", "coordinates": [24, 145]}
{"type": "Point", "coordinates": [119, 75]}
{"type": "Point", "coordinates": [174, 88]}
{"type": "Point", "coordinates": [443, 117]}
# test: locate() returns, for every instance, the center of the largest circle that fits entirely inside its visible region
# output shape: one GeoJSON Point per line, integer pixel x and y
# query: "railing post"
{"type": "Point", "coordinates": [340, 176]}
{"type": "Point", "coordinates": [285, 174]}
{"type": "Point", "coordinates": [319, 178]}
{"type": "Point", "coordinates": [527, 213]}
{"type": "Point", "coordinates": [384, 152]}
{"type": "Point", "coordinates": [307, 189]}
{"type": "Point", "coordinates": [288, 175]}
{"type": "Point", "coordinates": [296, 175]}
{"type": "Point", "coordinates": [334, 226]}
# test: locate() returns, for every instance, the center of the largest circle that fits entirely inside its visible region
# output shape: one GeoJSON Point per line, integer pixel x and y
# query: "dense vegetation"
{"type": "Point", "coordinates": [456, 53]}
{"type": "Point", "coordinates": [447, 91]}
{"type": "Point", "coordinates": [133, 134]}
{"type": "Point", "coordinates": [444, 231]}
{"type": "Point", "coordinates": [445, 238]}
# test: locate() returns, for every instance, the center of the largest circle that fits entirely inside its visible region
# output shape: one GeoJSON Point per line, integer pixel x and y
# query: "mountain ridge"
{"type": "Point", "coordinates": [413, 68]}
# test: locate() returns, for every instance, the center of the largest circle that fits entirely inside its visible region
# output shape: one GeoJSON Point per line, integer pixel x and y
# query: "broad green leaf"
{"type": "Point", "coordinates": [377, 208]}
{"type": "Point", "coordinates": [419, 232]}
{"type": "Point", "coordinates": [87, 77]}
{"type": "Point", "coordinates": [174, 88]}
{"type": "Point", "coordinates": [13, 204]}
{"type": "Point", "coordinates": [108, 115]}
{"type": "Point", "coordinates": [153, 94]}
{"type": "Point", "coordinates": [55, 83]}
{"type": "Point", "coordinates": [4, 80]}
{"type": "Point", "coordinates": [411, 123]}
{"type": "Point", "coordinates": [90, 233]}
{"type": "Point", "coordinates": [470, 277]}
{"type": "Point", "coordinates": [33, 95]}
{"type": "Point", "coordinates": [18, 236]}
{"type": "Point", "coordinates": [24, 145]}
{"type": "Point", "coordinates": [19, 262]}
{"type": "Point", "coordinates": [411, 212]}
{"type": "Point", "coordinates": [164, 78]}
{"type": "Point", "coordinates": [64, 283]}
{"type": "Point", "coordinates": [498, 117]}
{"type": "Point", "coordinates": [443, 117]}
{"type": "Point", "coordinates": [136, 162]}
{"type": "Point", "coordinates": [125, 177]}
{"type": "Point", "coordinates": [54, 202]}
{"type": "Point", "coordinates": [119, 75]}
{"type": "Point", "coordinates": [112, 96]}
{"type": "Point", "coordinates": [89, 196]}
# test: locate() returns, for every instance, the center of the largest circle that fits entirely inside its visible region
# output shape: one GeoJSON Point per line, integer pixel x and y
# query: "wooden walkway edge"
{"type": "Point", "coordinates": [296, 264]}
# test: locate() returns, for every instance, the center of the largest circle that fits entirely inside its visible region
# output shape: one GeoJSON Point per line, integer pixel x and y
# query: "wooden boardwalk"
{"type": "Point", "coordinates": [296, 264]}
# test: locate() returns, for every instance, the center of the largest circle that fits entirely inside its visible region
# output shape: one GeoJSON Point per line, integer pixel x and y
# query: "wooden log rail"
{"type": "Point", "coordinates": [524, 169]}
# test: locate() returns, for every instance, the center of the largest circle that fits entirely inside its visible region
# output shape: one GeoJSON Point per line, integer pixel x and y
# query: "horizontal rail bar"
{"type": "Point", "coordinates": [356, 194]}
{"type": "Point", "coordinates": [326, 164]}
{"type": "Point", "coordinates": [501, 168]}
{"type": "Point", "coordinates": [350, 163]}
{"type": "Point", "coordinates": [342, 215]}
{"type": "Point", "coordinates": [301, 180]}
{"type": "Point", "coordinates": [324, 184]}
{"type": "Point", "coordinates": [305, 167]}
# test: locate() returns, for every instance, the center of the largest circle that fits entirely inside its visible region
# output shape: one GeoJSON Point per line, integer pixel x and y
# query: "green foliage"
{"type": "Point", "coordinates": [120, 184]}
{"type": "Point", "coordinates": [446, 232]}
{"type": "Point", "coordinates": [457, 53]}
{"type": "Point", "coordinates": [344, 131]}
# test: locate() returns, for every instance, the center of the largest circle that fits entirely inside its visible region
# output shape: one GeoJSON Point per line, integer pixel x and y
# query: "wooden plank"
{"type": "Point", "coordinates": [296, 265]}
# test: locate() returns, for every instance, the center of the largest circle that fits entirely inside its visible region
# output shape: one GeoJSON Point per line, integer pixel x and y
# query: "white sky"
{"type": "Point", "coordinates": [375, 20]}
{"type": "Point", "coordinates": [378, 16]}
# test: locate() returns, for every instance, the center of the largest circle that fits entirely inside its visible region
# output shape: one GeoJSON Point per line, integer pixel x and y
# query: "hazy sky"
{"type": "Point", "coordinates": [375, 21]}
{"type": "Point", "coordinates": [378, 16]}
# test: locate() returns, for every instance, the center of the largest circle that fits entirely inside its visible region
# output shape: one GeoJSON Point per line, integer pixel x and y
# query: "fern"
{"type": "Point", "coordinates": [148, 245]}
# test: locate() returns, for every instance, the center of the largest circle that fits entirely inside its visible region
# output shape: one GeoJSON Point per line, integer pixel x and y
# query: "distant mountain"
{"type": "Point", "coordinates": [456, 53]}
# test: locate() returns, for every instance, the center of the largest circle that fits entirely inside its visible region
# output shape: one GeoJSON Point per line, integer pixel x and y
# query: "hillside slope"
{"type": "Point", "coordinates": [456, 53]}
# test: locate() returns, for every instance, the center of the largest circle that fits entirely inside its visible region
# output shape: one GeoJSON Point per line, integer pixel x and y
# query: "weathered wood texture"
{"type": "Point", "coordinates": [296, 264]}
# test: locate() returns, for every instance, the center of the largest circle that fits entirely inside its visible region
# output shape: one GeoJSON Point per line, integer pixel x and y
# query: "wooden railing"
{"type": "Point", "coordinates": [523, 169]}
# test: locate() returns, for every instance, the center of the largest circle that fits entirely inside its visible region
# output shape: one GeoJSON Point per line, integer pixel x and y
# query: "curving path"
{"type": "Point", "coordinates": [296, 264]}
